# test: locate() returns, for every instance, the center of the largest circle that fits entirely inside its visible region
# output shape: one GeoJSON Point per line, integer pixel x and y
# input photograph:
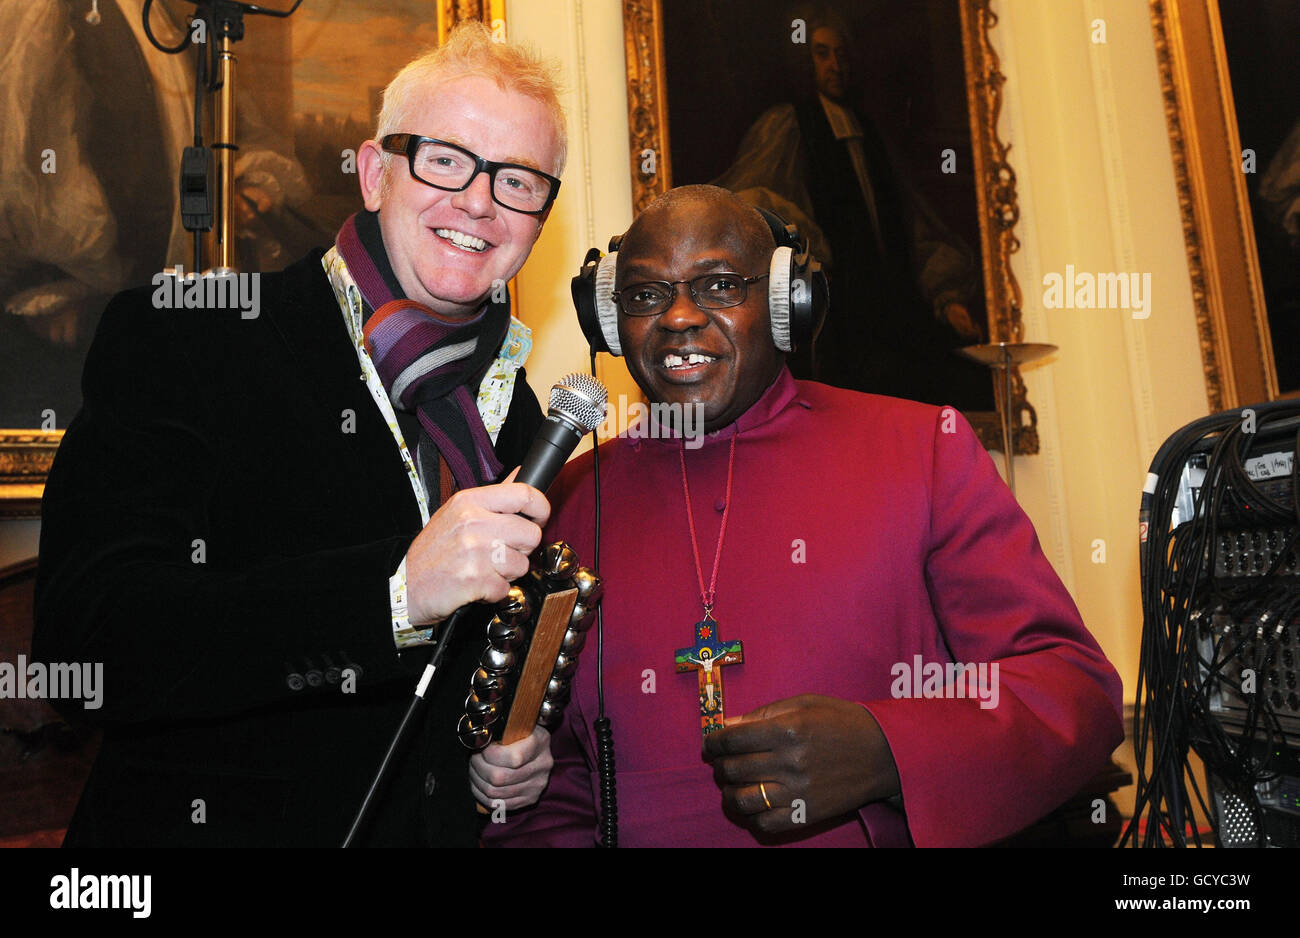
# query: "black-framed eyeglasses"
{"type": "Point", "coordinates": [452, 168]}
{"type": "Point", "coordinates": [710, 291]}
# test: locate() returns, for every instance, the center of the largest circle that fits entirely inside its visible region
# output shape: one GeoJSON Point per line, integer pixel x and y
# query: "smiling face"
{"type": "Point", "coordinates": [722, 358]}
{"type": "Point", "coordinates": [449, 248]}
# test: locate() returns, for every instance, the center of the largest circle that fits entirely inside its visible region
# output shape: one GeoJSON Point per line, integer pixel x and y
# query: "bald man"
{"type": "Point", "coordinates": [892, 659]}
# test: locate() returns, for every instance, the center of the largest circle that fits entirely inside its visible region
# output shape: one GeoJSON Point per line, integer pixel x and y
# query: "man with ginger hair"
{"type": "Point", "coordinates": [258, 525]}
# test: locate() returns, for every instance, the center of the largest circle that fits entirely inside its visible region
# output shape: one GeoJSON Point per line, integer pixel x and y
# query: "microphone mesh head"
{"type": "Point", "coordinates": [581, 399]}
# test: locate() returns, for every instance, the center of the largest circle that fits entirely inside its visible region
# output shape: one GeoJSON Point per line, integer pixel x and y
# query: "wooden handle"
{"type": "Point", "coordinates": [552, 623]}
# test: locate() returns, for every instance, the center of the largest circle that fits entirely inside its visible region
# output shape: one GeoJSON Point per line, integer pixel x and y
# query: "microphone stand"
{"type": "Point", "coordinates": [228, 19]}
{"type": "Point", "coordinates": [425, 679]}
{"type": "Point", "coordinates": [224, 26]}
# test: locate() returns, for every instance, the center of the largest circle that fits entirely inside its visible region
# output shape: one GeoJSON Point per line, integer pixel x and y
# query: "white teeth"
{"type": "Point", "coordinates": [676, 361]}
{"type": "Point", "coordinates": [461, 240]}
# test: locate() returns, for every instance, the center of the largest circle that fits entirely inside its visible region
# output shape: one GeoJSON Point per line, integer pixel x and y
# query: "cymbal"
{"type": "Point", "coordinates": [1000, 353]}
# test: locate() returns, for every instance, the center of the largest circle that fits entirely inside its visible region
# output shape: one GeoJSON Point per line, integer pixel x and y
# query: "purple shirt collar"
{"type": "Point", "coordinates": [770, 404]}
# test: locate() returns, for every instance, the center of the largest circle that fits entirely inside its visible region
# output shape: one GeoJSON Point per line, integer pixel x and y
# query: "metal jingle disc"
{"type": "Point", "coordinates": [505, 635]}
{"type": "Point", "coordinates": [515, 607]}
{"type": "Point", "coordinates": [474, 738]}
{"type": "Point", "coordinates": [558, 691]}
{"type": "Point", "coordinates": [590, 587]}
{"type": "Point", "coordinates": [559, 561]}
{"type": "Point", "coordinates": [565, 665]}
{"type": "Point", "coordinates": [496, 659]}
{"type": "Point", "coordinates": [574, 639]}
{"type": "Point", "coordinates": [481, 712]}
{"type": "Point", "coordinates": [550, 715]}
{"type": "Point", "coordinates": [490, 686]}
{"type": "Point", "coordinates": [581, 619]}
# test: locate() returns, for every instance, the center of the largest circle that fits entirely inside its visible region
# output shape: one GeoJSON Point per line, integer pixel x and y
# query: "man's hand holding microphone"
{"type": "Point", "coordinates": [476, 544]}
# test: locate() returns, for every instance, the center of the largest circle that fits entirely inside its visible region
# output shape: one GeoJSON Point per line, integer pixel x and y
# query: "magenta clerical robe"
{"type": "Point", "coordinates": [868, 538]}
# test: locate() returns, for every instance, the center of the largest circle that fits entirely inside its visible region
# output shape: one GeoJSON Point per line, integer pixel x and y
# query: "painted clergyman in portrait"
{"type": "Point", "coordinates": [835, 146]}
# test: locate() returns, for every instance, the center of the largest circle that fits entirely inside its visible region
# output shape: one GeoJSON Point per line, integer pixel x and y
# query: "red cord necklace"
{"type": "Point", "coordinates": [709, 654]}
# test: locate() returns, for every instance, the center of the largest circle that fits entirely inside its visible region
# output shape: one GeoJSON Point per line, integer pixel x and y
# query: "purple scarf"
{"type": "Point", "coordinates": [431, 365]}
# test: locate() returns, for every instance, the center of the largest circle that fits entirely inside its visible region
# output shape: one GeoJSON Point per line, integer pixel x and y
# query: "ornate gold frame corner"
{"type": "Point", "coordinates": [647, 101]}
{"type": "Point", "coordinates": [998, 207]}
{"type": "Point", "coordinates": [25, 460]}
{"type": "Point", "coordinates": [1222, 260]}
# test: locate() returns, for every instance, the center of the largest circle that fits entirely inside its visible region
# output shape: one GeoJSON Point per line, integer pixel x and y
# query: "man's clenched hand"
{"type": "Point", "coordinates": [516, 774]}
{"type": "Point", "coordinates": [472, 547]}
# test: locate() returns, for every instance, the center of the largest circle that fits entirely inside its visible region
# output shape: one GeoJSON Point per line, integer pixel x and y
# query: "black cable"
{"type": "Point", "coordinates": [1295, 478]}
{"type": "Point", "coordinates": [200, 80]}
{"type": "Point", "coordinates": [604, 732]}
{"type": "Point", "coordinates": [1191, 612]}
{"type": "Point", "coordinates": [254, 8]}
{"type": "Point", "coordinates": [1159, 794]}
{"type": "Point", "coordinates": [153, 40]}
{"type": "Point", "coordinates": [1163, 668]}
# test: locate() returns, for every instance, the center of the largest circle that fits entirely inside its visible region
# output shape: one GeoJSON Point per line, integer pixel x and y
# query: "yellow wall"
{"type": "Point", "coordinates": [1097, 191]}
{"type": "Point", "coordinates": [596, 193]}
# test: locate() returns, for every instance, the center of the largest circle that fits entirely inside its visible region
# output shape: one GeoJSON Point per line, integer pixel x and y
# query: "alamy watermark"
{"type": "Point", "coordinates": [78, 890]}
{"type": "Point", "coordinates": [59, 681]}
{"type": "Point", "coordinates": [1086, 290]}
{"type": "Point", "coordinates": [640, 421]}
{"type": "Point", "coordinates": [177, 290]}
{"type": "Point", "coordinates": [952, 680]}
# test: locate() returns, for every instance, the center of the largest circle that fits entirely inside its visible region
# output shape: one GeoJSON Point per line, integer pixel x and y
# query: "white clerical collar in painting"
{"type": "Point", "coordinates": [843, 124]}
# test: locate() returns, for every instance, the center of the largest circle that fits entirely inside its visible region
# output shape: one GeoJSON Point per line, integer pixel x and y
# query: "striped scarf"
{"type": "Point", "coordinates": [430, 365]}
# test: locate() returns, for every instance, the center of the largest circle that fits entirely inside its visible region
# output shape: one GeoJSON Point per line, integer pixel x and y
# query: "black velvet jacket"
{"type": "Point", "coordinates": [215, 522]}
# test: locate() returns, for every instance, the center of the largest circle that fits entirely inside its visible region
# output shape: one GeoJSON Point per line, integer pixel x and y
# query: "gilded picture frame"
{"type": "Point", "coordinates": [649, 132]}
{"type": "Point", "coordinates": [1227, 290]}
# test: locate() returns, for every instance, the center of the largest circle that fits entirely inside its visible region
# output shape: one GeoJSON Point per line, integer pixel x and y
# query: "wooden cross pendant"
{"type": "Point", "coordinates": [708, 656]}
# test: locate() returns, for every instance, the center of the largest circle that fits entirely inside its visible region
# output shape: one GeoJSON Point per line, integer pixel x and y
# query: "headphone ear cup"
{"type": "Point", "coordinates": [583, 290]}
{"type": "Point", "coordinates": [809, 299]}
{"type": "Point", "coordinates": [819, 296]}
{"type": "Point", "coordinates": [606, 308]}
{"type": "Point", "coordinates": [797, 292]}
{"type": "Point", "coordinates": [778, 298]}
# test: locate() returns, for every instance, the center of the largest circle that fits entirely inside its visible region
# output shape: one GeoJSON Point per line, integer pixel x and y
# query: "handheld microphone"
{"type": "Point", "coordinates": [577, 408]}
